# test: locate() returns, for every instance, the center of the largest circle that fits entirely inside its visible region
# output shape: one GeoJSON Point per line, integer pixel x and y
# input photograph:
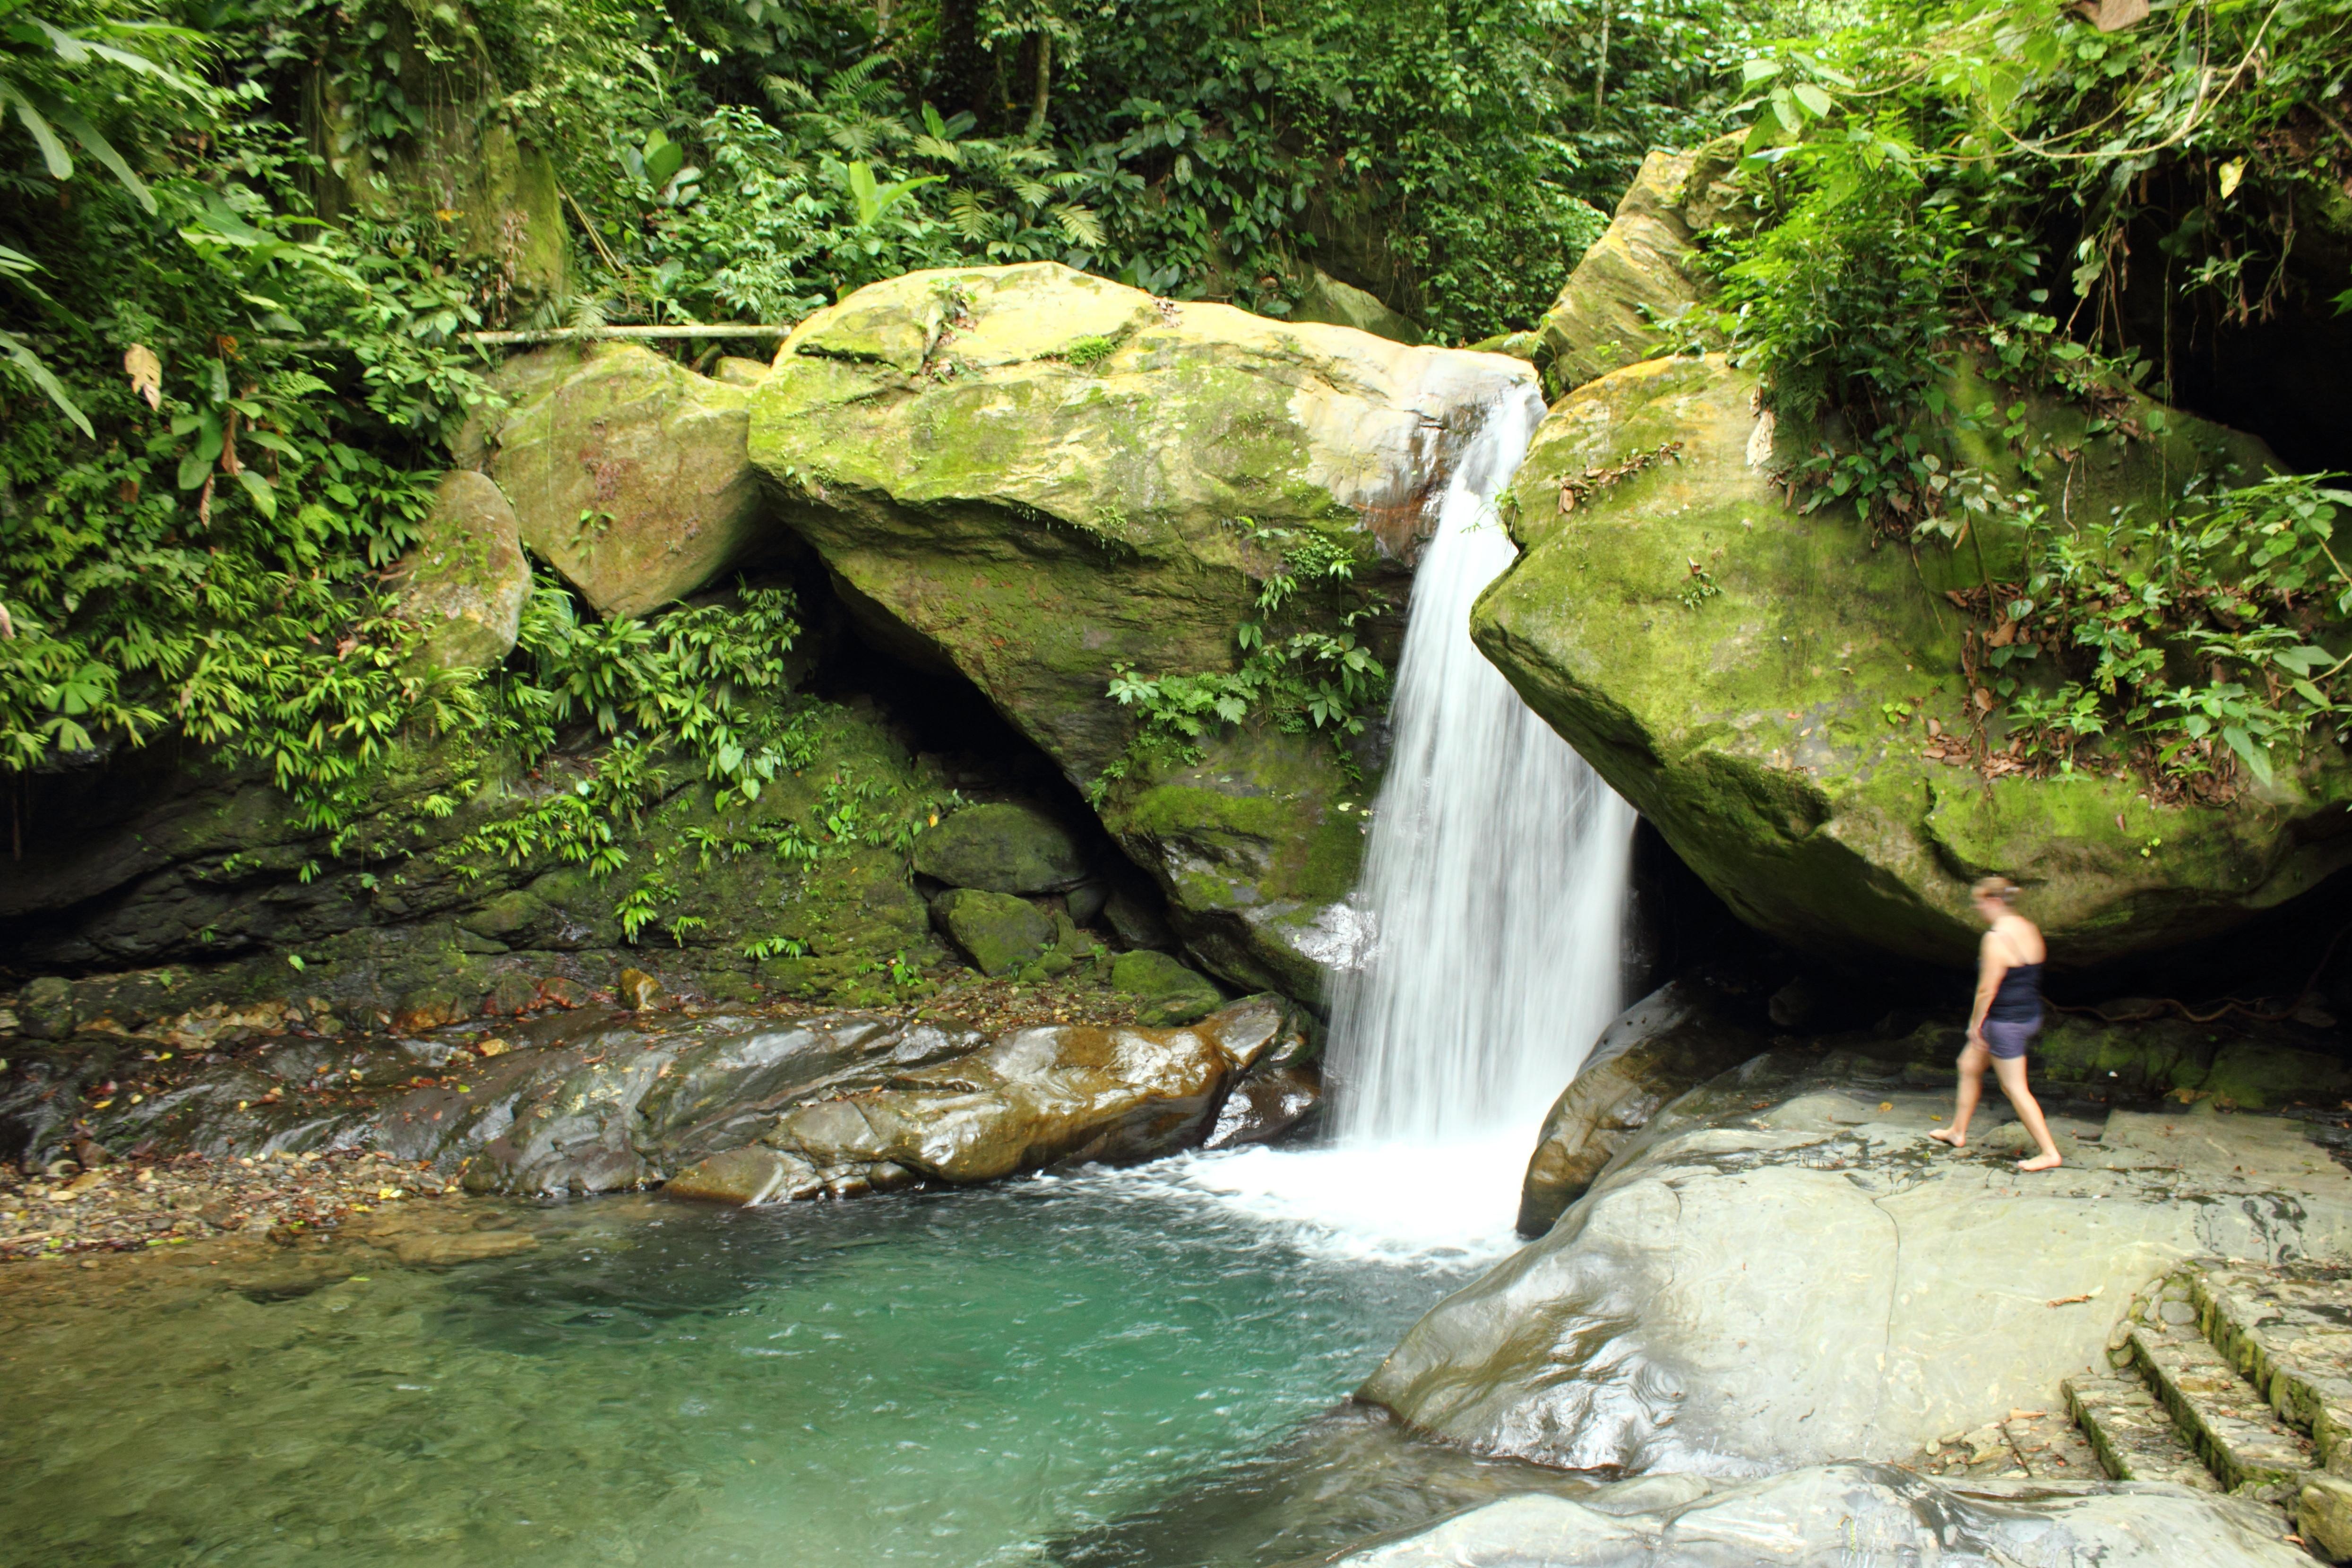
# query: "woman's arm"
{"type": "Point", "coordinates": [1992, 964]}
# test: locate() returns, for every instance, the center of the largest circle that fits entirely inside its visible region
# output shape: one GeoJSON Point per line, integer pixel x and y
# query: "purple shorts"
{"type": "Point", "coordinates": [2007, 1036]}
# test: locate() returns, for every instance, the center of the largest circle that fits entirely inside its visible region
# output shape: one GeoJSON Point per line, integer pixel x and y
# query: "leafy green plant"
{"type": "Point", "coordinates": [1314, 676]}
{"type": "Point", "coordinates": [2195, 636]}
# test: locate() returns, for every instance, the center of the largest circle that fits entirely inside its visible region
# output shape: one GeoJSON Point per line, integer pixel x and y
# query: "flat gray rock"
{"type": "Point", "coordinates": [1781, 1270]}
{"type": "Point", "coordinates": [1841, 1516]}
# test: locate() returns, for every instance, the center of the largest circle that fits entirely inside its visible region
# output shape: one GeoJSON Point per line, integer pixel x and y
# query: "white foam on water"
{"type": "Point", "coordinates": [1444, 1206]}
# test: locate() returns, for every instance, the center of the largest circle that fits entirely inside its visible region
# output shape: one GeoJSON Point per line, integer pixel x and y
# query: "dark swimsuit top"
{"type": "Point", "coordinates": [2019, 999]}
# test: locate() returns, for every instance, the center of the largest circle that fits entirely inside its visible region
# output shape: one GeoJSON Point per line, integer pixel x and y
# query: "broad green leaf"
{"type": "Point", "coordinates": [28, 363]}
{"type": "Point", "coordinates": [100, 148]}
{"type": "Point", "coordinates": [2256, 758]}
{"type": "Point", "coordinates": [53, 152]}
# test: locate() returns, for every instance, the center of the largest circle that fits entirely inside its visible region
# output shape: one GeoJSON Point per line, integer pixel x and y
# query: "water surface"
{"type": "Point", "coordinates": [956, 1380]}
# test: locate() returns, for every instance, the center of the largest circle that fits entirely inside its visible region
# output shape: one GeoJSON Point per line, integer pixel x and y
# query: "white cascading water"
{"type": "Point", "coordinates": [1495, 884]}
{"type": "Point", "coordinates": [1494, 896]}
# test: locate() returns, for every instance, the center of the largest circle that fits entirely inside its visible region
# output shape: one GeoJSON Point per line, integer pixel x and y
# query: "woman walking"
{"type": "Point", "coordinates": [2008, 1014]}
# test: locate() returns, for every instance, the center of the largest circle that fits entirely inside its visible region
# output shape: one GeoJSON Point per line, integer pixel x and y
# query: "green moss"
{"type": "Point", "coordinates": [1754, 729]}
{"type": "Point", "coordinates": [1052, 512]}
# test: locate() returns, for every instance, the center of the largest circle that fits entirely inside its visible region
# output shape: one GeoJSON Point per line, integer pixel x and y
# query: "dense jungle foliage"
{"type": "Point", "coordinates": [245, 245]}
{"type": "Point", "coordinates": [2071, 201]}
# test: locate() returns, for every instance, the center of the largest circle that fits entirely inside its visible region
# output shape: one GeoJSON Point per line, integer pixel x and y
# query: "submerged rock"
{"type": "Point", "coordinates": [1036, 475]}
{"type": "Point", "coordinates": [626, 470]}
{"type": "Point", "coordinates": [1830, 1516]}
{"type": "Point", "coordinates": [1774, 722]}
{"type": "Point", "coordinates": [1667, 1044]}
{"type": "Point", "coordinates": [1781, 1269]}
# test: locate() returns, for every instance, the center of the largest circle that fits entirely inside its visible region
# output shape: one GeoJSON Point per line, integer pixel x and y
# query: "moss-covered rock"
{"type": "Point", "coordinates": [997, 931]}
{"type": "Point", "coordinates": [808, 891]}
{"type": "Point", "coordinates": [1642, 271]}
{"type": "Point", "coordinates": [626, 470]}
{"type": "Point", "coordinates": [1326, 299]}
{"type": "Point", "coordinates": [469, 163]}
{"type": "Point", "coordinates": [1258, 845]}
{"type": "Point", "coordinates": [1003, 848]}
{"type": "Point", "coordinates": [1165, 991]}
{"type": "Point", "coordinates": [465, 581]}
{"type": "Point", "coordinates": [1036, 475]}
{"type": "Point", "coordinates": [1759, 683]}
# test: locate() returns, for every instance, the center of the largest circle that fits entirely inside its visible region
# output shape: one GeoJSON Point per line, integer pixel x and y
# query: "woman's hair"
{"type": "Point", "coordinates": [2000, 888]}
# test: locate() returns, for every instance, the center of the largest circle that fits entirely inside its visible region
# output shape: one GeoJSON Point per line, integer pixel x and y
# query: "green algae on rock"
{"type": "Point", "coordinates": [1326, 299]}
{"type": "Point", "coordinates": [1258, 845]}
{"type": "Point", "coordinates": [1166, 992]}
{"type": "Point", "coordinates": [1001, 848]}
{"type": "Point", "coordinates": [1644, 269]}
{"type": "Point", "coordinates": [1760, 683]}
{"type": "Point", "coordinates": [465, 581]}
{"type": "Point", "coordinates": [1036, 477]}
{"type": "Point", "coordinates": [626, 471]}
{"type": "Point", "coordinates": [998, 931]}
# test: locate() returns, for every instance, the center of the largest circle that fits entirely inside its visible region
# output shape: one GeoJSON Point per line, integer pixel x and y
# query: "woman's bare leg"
{"type": "Point", "coordinates": [1973, 1065]}
{"type": "Point", "coordinates": [2011, 1071]}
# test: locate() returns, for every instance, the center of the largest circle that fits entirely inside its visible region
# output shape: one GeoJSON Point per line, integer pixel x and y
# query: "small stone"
{"type": "Point", "coordinates": [560, 992]}
{"type": "Point", "coordinates": [511, 994]}
{"type": "Point", "coordinates": [44, 1009]}
{"type": "Point", "coordinates": [639, 990]}
{"type": "Point", "coordinates": [2324, 1515]}
{"type": "Point", "coordinates": [465, 1246]}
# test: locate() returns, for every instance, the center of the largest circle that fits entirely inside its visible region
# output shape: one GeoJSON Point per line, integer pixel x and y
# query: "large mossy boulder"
{"type": "Point", "coordinates": [1760, 682]}
{"type": "Point", "coordinates": [143, 864]}
{"type": "Point", "coordinates": [1642, 271]}
{"type": "Point", "coordinates": [465, 581]}
{"type": "Point", "coordinates": [626, 470]}
{"type": "Point", "coordinates": [1326, 299]}
{"type": "Point", "coordinates": [1001, 848]}
{"type": "Point", "coordinates": [997, 931]}
{"type": "Point", "coordinates": [1036, 475]}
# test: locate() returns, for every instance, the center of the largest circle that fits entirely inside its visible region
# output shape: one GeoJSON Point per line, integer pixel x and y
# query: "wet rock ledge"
{"type": "Point", "coordinates": [294, 1129]}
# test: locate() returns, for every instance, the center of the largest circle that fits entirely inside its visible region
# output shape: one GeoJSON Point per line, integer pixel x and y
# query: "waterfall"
{"type": "Point", "coordinates": [1493, 897]}
{"type": "Point", "coordinates": [1496, 880]}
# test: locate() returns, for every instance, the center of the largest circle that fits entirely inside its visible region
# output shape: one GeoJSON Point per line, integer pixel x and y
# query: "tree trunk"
{"type": "Point", "coordinates": [960, 71]}
{"type": "Point", "coordinates": [1044, 84]}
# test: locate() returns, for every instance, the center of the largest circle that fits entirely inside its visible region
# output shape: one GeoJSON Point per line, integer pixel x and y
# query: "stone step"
{"type": "Point", "coordinates": [2131, 1432]}
{"type": "Point", "coordinates": [2224, 1417]}
{"type": "Point", "coordinates": [2027, 1445]}
{"type": "Point", "coordinates": [2290, 1336]}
